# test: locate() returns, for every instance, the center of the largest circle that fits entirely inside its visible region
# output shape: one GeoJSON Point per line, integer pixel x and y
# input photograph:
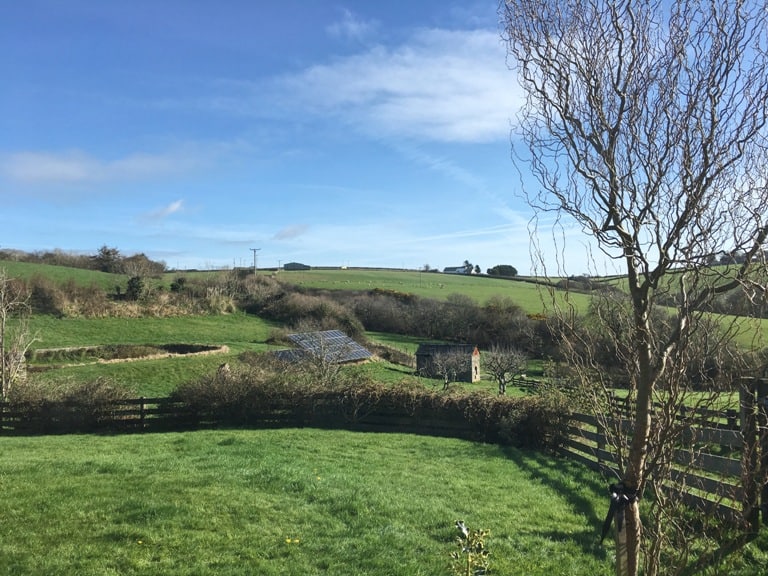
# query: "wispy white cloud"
{"type": "Point", "coordinates": [442, 85]}
{"type": "Point", "coordinates": [291, 232]}
{"type": "Point", "coordinates": [443, 166]}
{"type": "Point", "coordinates": [77, 167]}
{"type": "Point", "coordinates": [165, 211]}
{"type": "Point", "coordinates": [437, 85]}
{"type": "Point", "coordinates": [352, 27]}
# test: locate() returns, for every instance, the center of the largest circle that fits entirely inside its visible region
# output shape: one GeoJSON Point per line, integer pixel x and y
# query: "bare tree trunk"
{"type": "Point", "coordinates": [647, 124]}
{"type": "Point", "coordinates": [13, 343]}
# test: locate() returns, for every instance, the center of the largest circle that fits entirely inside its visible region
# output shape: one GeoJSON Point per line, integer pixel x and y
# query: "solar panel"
{"type": "Point", "coordinates": [331, 345]}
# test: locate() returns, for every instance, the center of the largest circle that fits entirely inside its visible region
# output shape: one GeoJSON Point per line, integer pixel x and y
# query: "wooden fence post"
{"type": "Point", "coordinates": [602, 435]}
{"type": "Point", "coordinates": [762, 427]}
{"type": "Point", "coordinates": [749, 458]}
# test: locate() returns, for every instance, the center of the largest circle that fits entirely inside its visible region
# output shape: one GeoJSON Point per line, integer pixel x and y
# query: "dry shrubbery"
{"type": "Point", "coordinates": [317, 311]}
{"type": "Point", "coordinates": [68, 299]}
{"type": "Point", "coordinates": [68, 407]}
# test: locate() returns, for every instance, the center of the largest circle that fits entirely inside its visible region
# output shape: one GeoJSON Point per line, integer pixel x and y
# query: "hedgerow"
{"type": "Point", "coordinates": [261, 397]}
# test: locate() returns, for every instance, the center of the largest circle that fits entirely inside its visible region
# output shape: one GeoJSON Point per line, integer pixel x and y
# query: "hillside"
{"type": "Point", "coordinates": [528, 293]}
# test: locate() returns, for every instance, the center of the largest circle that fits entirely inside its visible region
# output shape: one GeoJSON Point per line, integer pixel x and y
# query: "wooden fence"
{"type": "Point", "coordinates": [139, 414]}
{"type": "Point", "coordinates": [165, 414]}
{"type": "Point", "coordinates": [725, 474]}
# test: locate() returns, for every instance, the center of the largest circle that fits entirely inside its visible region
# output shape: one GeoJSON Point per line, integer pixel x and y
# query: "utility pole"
{"type": "Point", "coordinates": [254, 250]}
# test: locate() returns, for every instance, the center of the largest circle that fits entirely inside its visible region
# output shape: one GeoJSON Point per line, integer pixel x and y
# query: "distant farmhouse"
{"type": "Point", "coordinates": [457, 270]}
{"type": "Point", "coordinates": [465, 269]}
{"type": "Point", "coordinates": [295, 266]}
{"type": "Point", "coordinates": [426, 355]}
{"type": "Point", "coordinates": [331, 346]}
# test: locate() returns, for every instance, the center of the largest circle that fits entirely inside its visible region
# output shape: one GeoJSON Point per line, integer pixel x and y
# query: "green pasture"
{"type": "Point", "coordinates": [287, 502]}
{"type": "Point", "coordinates": [239, 331]}
{"type": "Point", "coordinates": [150, 377]}
{"type": "Point", "coordinates": [526, 293]}
{"type": "Point", "coordinates": [64, 274]}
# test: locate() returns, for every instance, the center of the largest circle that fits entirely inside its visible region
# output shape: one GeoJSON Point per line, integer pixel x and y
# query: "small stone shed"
{"type": "Point", "coordinates": [425, 360]}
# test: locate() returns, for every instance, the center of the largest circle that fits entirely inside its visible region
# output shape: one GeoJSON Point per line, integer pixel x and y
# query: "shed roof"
{"type": "Point", "coordinates": [431, 349]}
{"type": "Point", "coordinates": [331, 345]}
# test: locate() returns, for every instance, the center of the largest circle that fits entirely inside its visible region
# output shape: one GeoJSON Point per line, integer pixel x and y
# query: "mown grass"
{"type": "Point", "coordinates": [290, 502]}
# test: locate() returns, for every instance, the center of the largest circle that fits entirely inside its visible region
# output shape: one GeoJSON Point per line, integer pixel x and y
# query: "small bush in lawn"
{"type": "Point", "coordinates": [472, 559]}
{"type": "Point", "coordinates": [135, 288]}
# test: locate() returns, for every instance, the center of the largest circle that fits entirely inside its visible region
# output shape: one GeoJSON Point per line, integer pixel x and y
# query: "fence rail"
{"type": "Point", "coordinates": [124, 415]}
{"type": "Point", "coordinates": [714, 475]}
{"type": "Point", "coordinates": [163, 414]}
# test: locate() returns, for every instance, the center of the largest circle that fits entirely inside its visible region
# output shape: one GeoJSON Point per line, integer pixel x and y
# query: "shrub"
{"type": "Point", "coordinates": [81, 407]}
{"type": "Point", "coordinates": [46, 296]}
{"type": "Point", "coordinates": [539, 422]}
{"type": "Point", "coordinates": [307, 312]}
{"type": "Point", "coordinates": [259, 395]}
{"type": "Point", "coordinates": [135, 288]}
{"type": "Point", "coordinates": [67, 299]}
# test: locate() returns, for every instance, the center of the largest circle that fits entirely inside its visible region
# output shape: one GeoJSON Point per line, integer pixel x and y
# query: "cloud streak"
{"type": "Point", "coordinates": [291, 232]}
{"type": "Point", "coordinates": [78, 167]}
{"type": "Point", "coordinates": [352, 27]}
{"type": "Point", "coordinates": [443, 85]}
{"type": "Point", "coordinates": [165, 211]}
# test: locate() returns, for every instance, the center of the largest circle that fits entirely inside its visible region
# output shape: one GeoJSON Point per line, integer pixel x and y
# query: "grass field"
{"type": "Point", "coordinates": [158, 377]}
{"type": "Point", "coordinates": [155, 377]}
{"type": "Point", "coordinates": [526, 294]}
{"type": "Point", "coordinates": [290, 502]}
{"type": "Point", "coordinates": [64, 274]}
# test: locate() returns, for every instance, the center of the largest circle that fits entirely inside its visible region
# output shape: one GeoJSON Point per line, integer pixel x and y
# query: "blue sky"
{"type": "Point", "coordinates": [331, 133]}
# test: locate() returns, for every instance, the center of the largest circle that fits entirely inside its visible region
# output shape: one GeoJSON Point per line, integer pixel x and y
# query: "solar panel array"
{"type": "Point", "coordinates": [331, 345]}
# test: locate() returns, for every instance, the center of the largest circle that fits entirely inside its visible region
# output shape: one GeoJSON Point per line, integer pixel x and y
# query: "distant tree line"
{"type": "Point", "coordinates": [106, 259]}
{"type": "Point", "coordinates": [503, 270]}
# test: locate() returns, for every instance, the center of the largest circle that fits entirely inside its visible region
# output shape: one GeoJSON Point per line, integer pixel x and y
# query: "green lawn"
{"type": "Point", "coordinates": [290, 502]}
{"type": "Point", "coordinates": [155, 377]}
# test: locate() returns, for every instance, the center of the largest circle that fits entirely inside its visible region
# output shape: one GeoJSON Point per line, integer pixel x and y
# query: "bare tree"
{"type": "Point", "coordinates": [504, 364]}
{"type": "Point", "coordinates": [15, 337]}
{"type": "Point", "coordinates": [645, 123]}
{"type": "Point", "coordinates": [450, 366]}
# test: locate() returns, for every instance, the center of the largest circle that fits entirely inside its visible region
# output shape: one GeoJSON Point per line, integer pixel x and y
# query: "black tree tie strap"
{"type": "Point", "coordinates": [621, 497]}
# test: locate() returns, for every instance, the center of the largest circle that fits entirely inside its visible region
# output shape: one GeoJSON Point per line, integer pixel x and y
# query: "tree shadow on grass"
{"type": "Point", "coordinates": [573, 482]}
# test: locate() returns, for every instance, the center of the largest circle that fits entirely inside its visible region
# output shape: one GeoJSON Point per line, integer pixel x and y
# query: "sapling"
{"type": "Point", "coordinates": [472, 559]}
